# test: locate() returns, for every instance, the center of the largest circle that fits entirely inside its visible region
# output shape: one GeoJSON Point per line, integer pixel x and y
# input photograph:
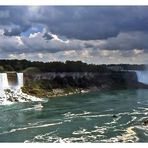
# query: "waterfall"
{"type": "Point", "coordinates": [142, 76]}
{"type": "Point", "coordinates": [6, 83]}
{"type": "Point", "coordinates": [20, 81]}
{"type": "Point", "coordinates": [10, 89]}
{"type": "Point", "coordinates": [3, 85]}
{"type": "Point", "coordinates": [3, 81]}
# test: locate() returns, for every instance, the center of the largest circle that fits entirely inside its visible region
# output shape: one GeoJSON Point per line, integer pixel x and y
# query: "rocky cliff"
{"type": "Point", "coordinates": [12, 78]}
{"type": "Point", "coordinates": [121, 79]}
{"type": "Point", "coordinates": [48, 82]}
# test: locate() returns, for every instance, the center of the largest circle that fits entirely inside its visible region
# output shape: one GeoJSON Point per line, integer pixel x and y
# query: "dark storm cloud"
{"type": "Point", "coordinates": [42, 29]}
{"type": "Point", "coordinates": [85, 23]}
{"type": "Point", "coordinates": [15, 20]}
{"type": "Point", "coordinates": [89, 23]}
{"type": "Point", "coordinates": [12, 32]}
{"type": "Point", "coordinates": [127, 41]}
{"type": "Point", "coordinates": [47, 36]}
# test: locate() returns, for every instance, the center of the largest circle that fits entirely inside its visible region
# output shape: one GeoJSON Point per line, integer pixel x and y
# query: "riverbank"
{"type": "Point", "coordinates": [41, 93]}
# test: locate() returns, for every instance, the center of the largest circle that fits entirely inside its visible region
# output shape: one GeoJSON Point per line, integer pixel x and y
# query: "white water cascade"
{"type": "Point", "coordinates": [20, 81]}
{"type": "Point", "coordinates": [12, 93]}
{"type": "Point", "coordinates": [3, 81]}
{"type": "Point", "coordinates": [142, 76]}
{"type": "Point", "coordinates": [3, 85]}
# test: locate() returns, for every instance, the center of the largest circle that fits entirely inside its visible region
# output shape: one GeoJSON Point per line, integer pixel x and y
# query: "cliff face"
{"type": "Point", "coordinates": [113, 80]}
{"type": "Point", "coordinates": [12, 78]}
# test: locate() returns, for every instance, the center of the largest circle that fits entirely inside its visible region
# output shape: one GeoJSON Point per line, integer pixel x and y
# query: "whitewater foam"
{"type": "Point", "coordinates": [129, 136]}
{"type": "Point", "coordinates": [30, 127]}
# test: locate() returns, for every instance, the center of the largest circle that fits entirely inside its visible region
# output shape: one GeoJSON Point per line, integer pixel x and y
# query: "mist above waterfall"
{"type": "Point", "coordinates": [142, 76]}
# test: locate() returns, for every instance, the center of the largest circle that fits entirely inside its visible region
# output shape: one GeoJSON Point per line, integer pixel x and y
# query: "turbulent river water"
{"type": "Point", "coordinates": [106, 116]}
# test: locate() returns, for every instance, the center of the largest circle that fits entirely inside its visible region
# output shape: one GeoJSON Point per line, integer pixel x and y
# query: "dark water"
{"type": "Point", "coordinates": [78, 118]}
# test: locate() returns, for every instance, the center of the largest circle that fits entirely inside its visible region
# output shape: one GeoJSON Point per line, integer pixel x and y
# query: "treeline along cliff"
{"type": "Point", "coordinates": [68, 66]}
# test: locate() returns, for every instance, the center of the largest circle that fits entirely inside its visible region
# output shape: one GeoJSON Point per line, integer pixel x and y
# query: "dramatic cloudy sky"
{"type": "Point", "coordinates": [92, 34]}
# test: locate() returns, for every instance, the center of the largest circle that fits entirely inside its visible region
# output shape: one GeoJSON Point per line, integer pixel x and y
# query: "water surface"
{"type": "Point", "coordinates": [107, 116]}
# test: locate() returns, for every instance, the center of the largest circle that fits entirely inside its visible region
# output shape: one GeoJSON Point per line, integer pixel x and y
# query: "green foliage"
{"type": "Point", "coordinates": [1, 69]}
{"type": "Point", "coordinates": [8, 68]}
{"type": "Point", "coordinates": [68, 66]}
{"type": "Point", "coordinates": [31, 70]}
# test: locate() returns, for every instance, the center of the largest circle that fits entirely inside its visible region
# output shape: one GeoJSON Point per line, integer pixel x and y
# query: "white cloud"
{"type": "Point", "coordinates": [70, 53]}
{"type": "Point", "coordinates": [137, 51]}
{"type": "Point", "coordinates": [126, 41]}
{"type": "Point", "coordinates": [40, 55]}
{"type": "Point", "coordinates": [19, 41]}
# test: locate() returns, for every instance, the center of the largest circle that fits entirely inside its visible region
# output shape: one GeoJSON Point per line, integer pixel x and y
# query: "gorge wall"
{"type": "Point", "coordinates": [110, 80]}
{"type": "Point", "coordinates": [61, 83]}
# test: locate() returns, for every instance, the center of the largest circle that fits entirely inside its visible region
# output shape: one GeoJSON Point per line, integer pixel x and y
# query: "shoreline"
{"type": "Point", "coordinates": [31, 94]}
{"type": "Point", "coordinates": [58, 93]}
{"type": "Point", "coordinates": [34, 98]}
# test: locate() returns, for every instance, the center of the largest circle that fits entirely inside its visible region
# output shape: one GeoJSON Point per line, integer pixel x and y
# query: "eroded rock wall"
{"type": "Point", "coordinates": [121, 79]}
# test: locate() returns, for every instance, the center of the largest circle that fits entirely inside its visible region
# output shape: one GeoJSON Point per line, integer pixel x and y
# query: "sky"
{"type": "Point", "coordinates": [92, 34]}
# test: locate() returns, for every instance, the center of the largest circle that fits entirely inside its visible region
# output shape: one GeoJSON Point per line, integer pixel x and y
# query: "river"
{"type": "Point", "coordinates": [106, 116]}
